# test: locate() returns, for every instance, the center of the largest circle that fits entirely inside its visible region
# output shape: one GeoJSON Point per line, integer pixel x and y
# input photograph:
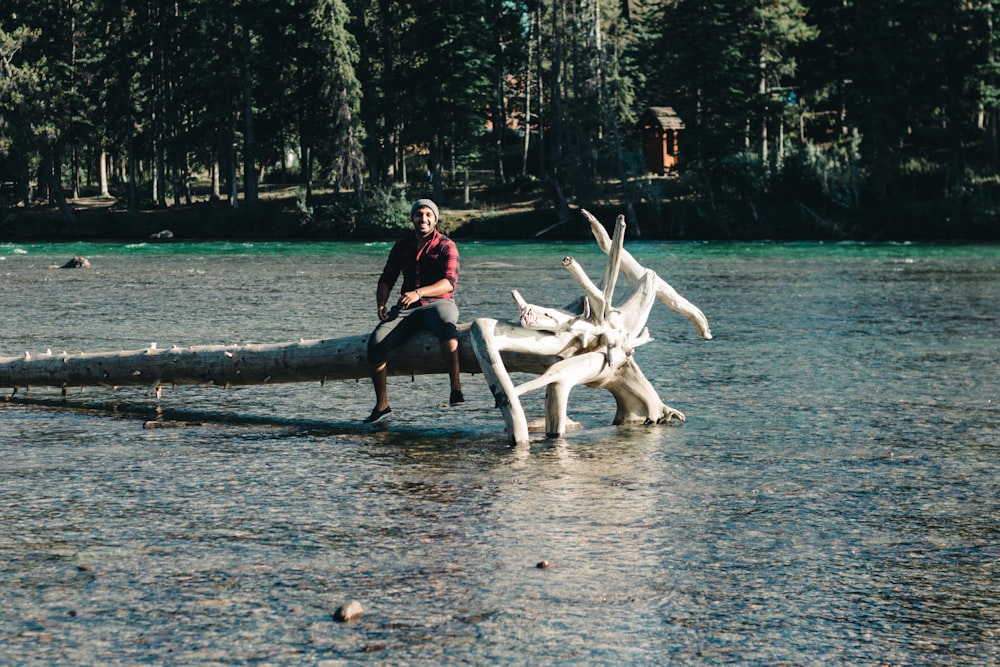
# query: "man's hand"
{"type": "Point", "coordinates": [409, 298]}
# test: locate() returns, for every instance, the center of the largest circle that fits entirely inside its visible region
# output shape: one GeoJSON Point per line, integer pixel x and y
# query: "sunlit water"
{"type": "Point", "coordinates": [832, 498]}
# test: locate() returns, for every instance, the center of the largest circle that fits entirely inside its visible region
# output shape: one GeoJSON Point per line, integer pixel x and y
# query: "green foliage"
{"type": "Point", "coordinates": [831, 171]}
{"type": "Point", "coordinates": [388, 209]}
{"type": "Point", "coordinates": [840, 106]}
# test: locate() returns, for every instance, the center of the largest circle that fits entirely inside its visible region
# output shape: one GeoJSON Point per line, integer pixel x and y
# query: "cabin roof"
{"type": "Point", "coordinates": [666, 117]}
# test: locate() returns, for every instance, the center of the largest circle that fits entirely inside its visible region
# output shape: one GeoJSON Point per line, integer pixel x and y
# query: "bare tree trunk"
{"type": "Point", "coordinates": [438, 188]}
{"type": "Point", "coordinates": [526, 144]}
{"type": "Point", "coordinates": [74, 174]}
{"type": "Point", "coordinates": [359, 188]}
{"type": "Point", "coordinates": [306, 171]}
{"type": "Point", "coordinates": [216, 192]}
{"type": "Point", "coordinates": [762, 85]}
{"type": "Point", "coordinates": [157, 191]}
{"type": "Point", "coordinates": [57, 196]}
{"type": "Point", "coordinates": [23, 176]}
{"type": "Point", "coordinates": [499, 124]}
{"type": "Point", "coordinates": [232, 176]}
{"type": "Point", "coordinates": [540, 104]}
{"type": "Point", "coordinates": [103, 175]}
{"type": "Point", "coordinates": [249, 143]}
{"type": "Point", "coordinates": [133, 192]}
{"type": "Point", "coordinates": [235, 365]}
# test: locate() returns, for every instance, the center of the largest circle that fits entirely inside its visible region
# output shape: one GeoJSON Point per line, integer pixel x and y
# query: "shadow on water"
{"type": "Point", "coordinates": [159, 417]}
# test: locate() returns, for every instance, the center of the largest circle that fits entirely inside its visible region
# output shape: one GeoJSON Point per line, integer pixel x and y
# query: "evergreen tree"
{"type": "Point", "coordinates": [892, 99]}
{"type": "Point", "coordinates": [19, 83]}
{"type": "Point", "coordinates": [336, 113]}
{"type": "Point", "coordinates": [698, 59]}
{"type": "Point", "coordinates": [377, 26]}
{"type": "Point", "coordinates": [445, 80]}
{"type": "Point", "coordinates": [984, 78]}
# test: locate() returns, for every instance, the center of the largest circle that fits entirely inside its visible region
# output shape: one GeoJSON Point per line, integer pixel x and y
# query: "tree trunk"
{"type": "Point", "coordinates": [526, 143]}
{"type": "Point", "coordinates": [57, 195]}
{"type": "Point", "coordinates": [232, 183]}
{"type": "Point", "coordinates": [499, 126]}
{"type": "Point", "coordinates": [214, 177]}
{"type": "Point", "coordinates": [23, 177]}
{"type": "Point", "coordinates": [249, 143]}
{"type": "Point", "coordinates": [75, 172]}
{"type": "Point", "coordinates": [157, 192]}
{"type": "Point", "coordinates": [540, 104]}
{"type": "Point", "coordinates": [438, 187]}
{"type": "Point", "coordinates": [103, 175]}
{"type": "Point", "coordinates": [232, 365]}
{"type": "Point", "coordinates": [133, 192]}
{"type": "Point", "coordinates": [305, 170]}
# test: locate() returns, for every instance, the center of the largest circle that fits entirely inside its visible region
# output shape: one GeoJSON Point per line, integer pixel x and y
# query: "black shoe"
{"type": "Point", "coordinates": [456, 397]}
{"type": "Point", "coordinates": [377, 415]}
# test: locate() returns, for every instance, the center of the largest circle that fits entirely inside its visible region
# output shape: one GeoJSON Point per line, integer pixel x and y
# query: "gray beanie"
{"type": "Point", "coordinates": [425, 202]}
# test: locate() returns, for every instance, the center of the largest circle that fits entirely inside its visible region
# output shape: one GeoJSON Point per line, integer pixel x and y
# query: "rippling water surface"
{"type": "Point", "coordinates": [832, 498]}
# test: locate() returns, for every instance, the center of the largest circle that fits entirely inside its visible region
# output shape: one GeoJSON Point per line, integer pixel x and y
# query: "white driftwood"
{"type": "Point", "coordinates": [596, 345]}
{"type": "Point", "coordinates": [592, 345]}
{"type": "Point", "coordinates": [633, 271]}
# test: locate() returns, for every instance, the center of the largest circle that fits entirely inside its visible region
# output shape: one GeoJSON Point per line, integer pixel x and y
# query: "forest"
{"type": "Point", "coordinates": [821, 119]}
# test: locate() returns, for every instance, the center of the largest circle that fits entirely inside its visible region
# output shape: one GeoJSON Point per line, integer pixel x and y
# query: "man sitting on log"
{"type": "Point", "coordinates": [428, 261]}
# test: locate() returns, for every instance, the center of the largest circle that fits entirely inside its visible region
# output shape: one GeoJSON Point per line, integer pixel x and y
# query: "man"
{"type": "Point", "coordinates": [428, 261]}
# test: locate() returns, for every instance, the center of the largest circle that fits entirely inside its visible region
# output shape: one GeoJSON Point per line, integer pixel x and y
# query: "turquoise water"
{"type": "Point", "coordinates": [832, 498]}
{"type": "Point", "coordinates": [698, 249]}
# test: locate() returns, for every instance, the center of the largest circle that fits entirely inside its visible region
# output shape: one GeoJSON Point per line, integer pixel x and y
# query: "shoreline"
{"type": "Point", "coordinates": [281, 220]}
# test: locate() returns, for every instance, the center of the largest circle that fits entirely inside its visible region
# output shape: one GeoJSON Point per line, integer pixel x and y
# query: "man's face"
{"type": "Point", "coordinates": [424, 222]}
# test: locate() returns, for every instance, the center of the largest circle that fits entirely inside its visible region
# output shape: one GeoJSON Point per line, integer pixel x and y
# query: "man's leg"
{"type": "Point", "coordinates": [449, 350]}
{"type": "Point", "coordinates": [442, 320]}
{"type": "Point", "coordinates": [379, 375]}
{"type": "Point", "coordinates": [386, 336]}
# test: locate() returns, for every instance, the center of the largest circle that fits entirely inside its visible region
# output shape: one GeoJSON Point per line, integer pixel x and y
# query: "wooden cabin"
{"type": "Point", "coordinates": [660, 127]}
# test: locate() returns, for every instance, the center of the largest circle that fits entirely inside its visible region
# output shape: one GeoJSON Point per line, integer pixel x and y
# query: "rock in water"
{"type": "Point", "coordinates": [77, 263]}
{"type": "Point", "coordinates": [348, 612]}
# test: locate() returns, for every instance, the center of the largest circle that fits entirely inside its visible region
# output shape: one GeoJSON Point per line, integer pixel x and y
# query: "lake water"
{"type": "Point", "coordinates": [833, 497]}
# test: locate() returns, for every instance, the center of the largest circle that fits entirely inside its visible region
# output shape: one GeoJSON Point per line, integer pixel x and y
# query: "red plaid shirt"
{"type": "Point", "coordinates": [422, 264]}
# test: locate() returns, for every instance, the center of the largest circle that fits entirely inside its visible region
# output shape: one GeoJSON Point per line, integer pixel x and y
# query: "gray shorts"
{"type": "Point", "coordinates": [440, 317]}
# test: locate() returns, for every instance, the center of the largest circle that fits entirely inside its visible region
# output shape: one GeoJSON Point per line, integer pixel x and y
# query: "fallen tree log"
{"type": "Point", "coordinates": [233, 365]}
{"type": "Point", "coordinates": [590, 344]}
